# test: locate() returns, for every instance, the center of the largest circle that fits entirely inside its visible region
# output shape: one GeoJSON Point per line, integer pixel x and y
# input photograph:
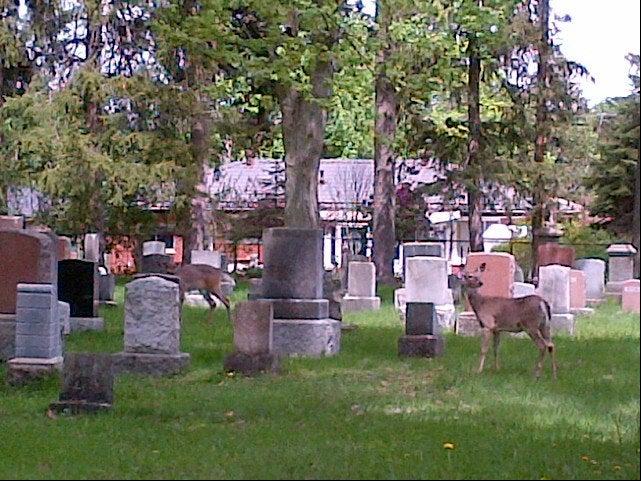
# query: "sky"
{"type": "Point", "coordinates": [600, 35]}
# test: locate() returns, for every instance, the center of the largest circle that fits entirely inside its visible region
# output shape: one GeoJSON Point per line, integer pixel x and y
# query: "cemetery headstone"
{"type": "Point", "coordinates": [420, 249]}
{"type": "Point", "coordinates": [155, 264]}
{"type": "Point", "coordinates": [426, 280]}
{"type": "Point", "coordinates": [11, 222]}
{"type": "Point", "coordinates": [422, 334]}
{"type": "Point", "coordinates": [253, 339]}
{"type": "Point", "coordinates": [92, 247]}
{"type": "Point", "coordinates": [620, 268]}
{"type": "Point", "coordinates": [361, 288]}
{"type": "Point", "coordinates": [38, 350]}
{"type": "Point", "coordinates": [333, 291]}
{"type": "Point", "coordinates": [210, 258]}
{"type": "Point", "coordinates": [523, 289]}
{"type": "Point", "coordinates": [64, 248]}
{"type": "Point", "coordinates": [106, 288]}
{"type": "Point", "coordinates": [631, 296]}
{"type": "Point", "coordinates": [578, 294]}
{"type": "Point", "coordinates": [554, 287]}
{"type": "Point", "coordinates": [152, 328]}
{"type": "Point", "coordinates": [293, 282]}
{"type": "Point", "coordinates": [552, 253]}
{"type": "Point", "coordinates": [153, 247]}
{"type": "Point", "coordinates": [78, 285]}
{"type": "Point", "coordinates": [64, 314]}
{"type": "Point", "coordinates": [87, 387]}
{"type": "Point", "coordinates": [595, 279]}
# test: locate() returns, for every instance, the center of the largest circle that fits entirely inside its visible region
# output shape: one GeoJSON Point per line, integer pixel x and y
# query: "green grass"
{"type": "Point", "coordinates": [363, 414]}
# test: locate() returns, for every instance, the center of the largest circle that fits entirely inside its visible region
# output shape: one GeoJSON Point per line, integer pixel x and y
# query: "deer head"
{"type": "Point", "coordinates": [472, 280]}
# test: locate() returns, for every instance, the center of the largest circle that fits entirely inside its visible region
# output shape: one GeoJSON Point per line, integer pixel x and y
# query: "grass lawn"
{"type": "Point", "coordinates": [364, 414]}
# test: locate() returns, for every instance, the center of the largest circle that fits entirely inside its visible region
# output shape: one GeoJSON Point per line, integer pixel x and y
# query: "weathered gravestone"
{"type": "Point", "coordinates": [153, 247]}
{"type": "Point", "coordinates": [87, 387]}
{"type": "Point", "coordinates": [106, 288]}
{"type": "Point", "coordinates": [361, 288]}
{"type": "Point", "coordinates": [64, 248]}
{"type": "Point", "coordinates": [210, 258]}
{"type": "Point", "coordinates": [78, 284]}
{"type": "Point", "coordinates": [293, 283]}
{"type": "Point", "coordinates": [38, 350]}
{"type": "Point", "coordinates": [631, 301]}
{"type": "Point", "coordinates": [64, 314]}
{"type": "Point", "coordinates": [554, 287]}
{"type": "Point", "coordinates": [420, 249]}
{"type": "Point", "coordinates": [152, 328]}
{"type": "Point", "coordinates": [523, 289]}
{"type": "Point", "coordinates": [422, 333]}
{"type": "Point", "coordinates": [25, 257]}
{"type": "Point", "coordinates": [253, 339]}
{"type": "Point", "coordinates": [552, 253]}
{"type": "Point", "coordinates": [92, 247]}
{"type": "Point", "coordinates": [497, 279]}
{"type": "Point", "coordinates": [594, 270]}
{"type": "Point", "coordinates": [333, 291]}
{"type": "Point", "coordinates": [426, 280]}
{"type": "Point", "coordinates": [155, 264]}
{"type": "Point", "coordinates": [620, 268]}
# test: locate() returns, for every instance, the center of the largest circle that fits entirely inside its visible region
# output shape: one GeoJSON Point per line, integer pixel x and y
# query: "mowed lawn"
{"type": "Point", "coordinates": [363, 414]}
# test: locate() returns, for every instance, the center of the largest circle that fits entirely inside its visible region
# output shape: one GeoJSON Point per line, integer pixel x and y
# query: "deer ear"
{"type": "Point", "coordinates": [483, 266]}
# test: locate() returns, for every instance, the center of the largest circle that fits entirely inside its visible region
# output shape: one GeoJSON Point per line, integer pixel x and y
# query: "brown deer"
{"type": "Point", "coordinates": [205, 279]}
{"type": "Point", "coordinates": [531, 314]}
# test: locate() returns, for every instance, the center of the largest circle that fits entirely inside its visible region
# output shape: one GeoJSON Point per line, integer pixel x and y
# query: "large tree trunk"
{"type": "Point", "coordinates": [304, 121]}
{"type": "Point", "coordinates": [475, 193]}
{"type": "Point", "coordinates": [384, 248]}
{"type": "Point", "coordinates": [542, 131]}
{"type": "Point", "coordinates": [636, 221]}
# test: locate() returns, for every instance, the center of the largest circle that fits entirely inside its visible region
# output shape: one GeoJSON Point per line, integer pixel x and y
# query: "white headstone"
{"type": "Point", "coordinates": [554, 287]}
{"type": "Point", "coordinates": [210, 258]}
{"type": "Point", "coordinates": [361, 279]}
{"type": "Point", "coordinates": [426, 280]}
{"type": "Point", "coordinates": [153, 247]}
{"type": "Point", "coordinates": [92, 247]}
{"type": "Point", "coordinates": [594, 275]}
{"type": "Point", "coordinates": [523, 289]}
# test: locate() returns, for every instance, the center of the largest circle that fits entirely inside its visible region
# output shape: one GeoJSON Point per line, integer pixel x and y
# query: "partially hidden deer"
{"type": "Point", "coordinates": [531, 314]}
{"type": "Point", "coordinates": [205, 279]}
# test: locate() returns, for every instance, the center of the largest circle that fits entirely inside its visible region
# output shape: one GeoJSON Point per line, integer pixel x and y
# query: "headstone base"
{"type": "Point", "coordinates": [563, 324]}
{"type": "Point", "coordinates": [86, 324]}
{"type": "Point", "coordinates": [357, 304]}
{"type": "Point", "coordinates": [63, 315]}
{"type": "Point", "coordinates": [595, 302]}
{"type": "Point", "coordinates": [614, 288]}
{"type": "Point", "coordinates": [446, 316]}
{"type": "Point", "coordinates": [420, 346]}
{"type": "Point", "coordinates": [582, 311]}
{"type": "Point", "coordinates": [307, 338]}
{"type": "Point", "coordinates": [300, 308]}
{"type": "Point", "coordinates": [78, 407]}
{"type": "Point", "coordinates": [150, 364]}
{"type": "Point", "coordinates": [251, 365]}
{"type": "Point", "coordinates": [25, 369]}
{"type": "Point", "coordinates": [467, 324]}
{"type": "Point", "coordinates": [7, 336]}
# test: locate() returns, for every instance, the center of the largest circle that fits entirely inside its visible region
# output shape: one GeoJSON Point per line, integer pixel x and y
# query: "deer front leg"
{"type": "Point", "coordinates": [497, 341]}
{"type": "Point", "coordinates": [485, 346]}
{"type": "Point", "coordinates": [542, 346]}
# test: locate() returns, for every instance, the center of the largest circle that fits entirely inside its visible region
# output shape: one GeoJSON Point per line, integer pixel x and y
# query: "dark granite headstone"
{"type": "Point", "coordinates": [78, 285]}
{"type": "Point", "coordinates": [107, 286]}
{"type": "Point", "coordinates": [87, 385]}
{"type": "Point", "coordinates": [156, 264]}
{"type": "Point", "coordinates": [420, 319]}
{"type": "Point", "coordinates": [333, 291]}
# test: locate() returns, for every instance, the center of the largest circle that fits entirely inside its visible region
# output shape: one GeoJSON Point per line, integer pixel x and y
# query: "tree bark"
{"type": "Point", "coordinates": [304, 121]}
{"type": "Point", "coordinates": [384, 235]}
{"type": "Point", "coordinates": [542, 131]}
{"type": "Point", "coordinates": [475, 193]}
{"type": "Point", "coordinates": [636, 222]}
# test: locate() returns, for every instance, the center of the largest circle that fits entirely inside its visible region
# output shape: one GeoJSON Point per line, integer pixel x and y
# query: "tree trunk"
{"type": "Point", "coordinates": [384, 212]}
{"type": "Point", "coordinates": [636, 221]}
{"type": "Point", "coordinates": [304, 123]}
{"type": "Point", "coordinates": [542, 131]}
{"type": "Point", "coordinates": [475, 193]}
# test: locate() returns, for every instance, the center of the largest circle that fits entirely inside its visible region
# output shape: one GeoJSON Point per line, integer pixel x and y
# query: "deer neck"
{"type": "Point", "coordinates": [474, 297]}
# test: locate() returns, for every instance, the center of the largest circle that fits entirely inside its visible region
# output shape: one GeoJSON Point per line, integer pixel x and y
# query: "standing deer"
{"type": "Point", "coordinates": [205, 279]}
{"type": "Point", "coordinates": [531, 314]}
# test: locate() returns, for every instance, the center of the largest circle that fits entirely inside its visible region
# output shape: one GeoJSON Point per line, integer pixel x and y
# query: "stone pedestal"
{"type": "Point", "coordinates": [594, 270]}
{"type": "Point", "coordinates": [152, 328]}
{"type": "Point", "coordinates": [563, 324]}
{"type": "Point", "coordinates": [153, 247]}
{"type": "Point", "coordinates": [293, 283]}
{"type": "Point", "coordinates": [467, 324]}
{"type": "Point", "coordinates": [253, 340]}
{"type": "Point", "coordinates": [421, 346]}
{"type": "Point", "coordinates": [23, 370]}
{"type": "Point", "coordinates": [361, 288]}
{"type": "Point", "coordinates": [87, 384]}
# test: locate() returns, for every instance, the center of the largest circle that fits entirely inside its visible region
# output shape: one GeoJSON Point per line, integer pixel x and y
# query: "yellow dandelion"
{"type": "Point", "coordinates": [585, 458]}
{"type": "Point", "coordinates": [449, 446]}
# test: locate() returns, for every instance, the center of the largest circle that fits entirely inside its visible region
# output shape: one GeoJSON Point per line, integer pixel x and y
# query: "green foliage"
{"type": "Point", "coordinates": [588, 241]}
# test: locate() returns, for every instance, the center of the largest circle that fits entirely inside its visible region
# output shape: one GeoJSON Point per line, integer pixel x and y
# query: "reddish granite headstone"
{"type": "Point", "coordinates": [64, 248]}
{"type": "Point", "coordinates": [498, 277]}
{"type": "Point", "coordinates": [25, 257]}
{"type": "Point", "coordinates": [551, 253]}
{"type": "Point", "coordinates": [578, 290]}
{"type": "Point", "coordinates": [11, 222]}
{"type": "Point", "coordinates": [631, 296]}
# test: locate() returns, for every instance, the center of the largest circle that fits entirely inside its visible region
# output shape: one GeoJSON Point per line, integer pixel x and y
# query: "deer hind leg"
{"type": "Point", "coordinates": [497, 341]}
{"type": "Point", "coordinates": [541, 344]}
{"type": "Point", "coordinates": [547, 337]}
{"type": "Point", "coordinates": [224, 300]}
{"type": "Point", "coordinates": [485, 346]}
{"type": "Point", "coordinates": [212, 305]}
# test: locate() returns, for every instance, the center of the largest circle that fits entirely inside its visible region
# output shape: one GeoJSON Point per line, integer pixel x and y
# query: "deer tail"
{"type": "Point", "coordinates": [546, 325]}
